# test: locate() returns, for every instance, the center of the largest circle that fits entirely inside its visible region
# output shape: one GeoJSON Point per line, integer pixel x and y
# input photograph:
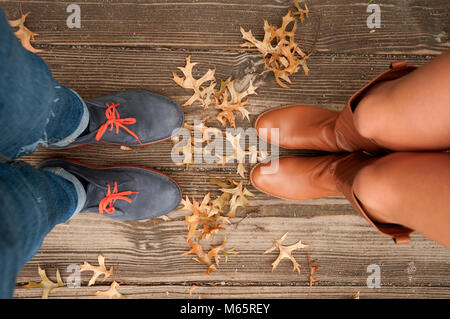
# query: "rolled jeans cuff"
{"type": "Point", "coordinates": [81, 127]}
{"type": "Point", "coordinates": [81, 192]}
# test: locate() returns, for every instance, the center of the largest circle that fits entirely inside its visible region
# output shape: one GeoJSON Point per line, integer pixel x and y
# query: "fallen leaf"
{"type": "Point", "coordinates": [203, 214]}
{"type": "Point", "coordinates": [257, 155]}
{"type": "Point", "coordinates": [241, 170]}
{"type": "Point", "coordinates": [231, 100]}
{"type": "Point", "coordinates": [191, 290]}
{"type": "Point", "coordinates": [98, 270]}
{"type": "Point", "coordinates": [356, 296]}
{"type": "Point", "coordinates": [112, 292]}
{"type": "Point", "coordinates": [285, 252]}
{"type": "Point", "coordinates": [165, 218]}
{"type": "Point", "coordinates": [23, 33]}
{"type": "Point", "coordinates": [301, 12]}
{"type": "Point", "coordinates": [239, 196]}
{"type": "Point", "coordinates": [46, 284]}
{"type": "Point", "coordinates": [194, 145]}
{"type": "Point", "coordinates": [186, 150]}
{"type": "Point", "coordinates": [226, 252]}
{"type": "Point", "coordinates": [202, 93]}
{"type": "Point", "coordinates": [205, 258]}
{"type": "Point", "coordinates": [312, 272]}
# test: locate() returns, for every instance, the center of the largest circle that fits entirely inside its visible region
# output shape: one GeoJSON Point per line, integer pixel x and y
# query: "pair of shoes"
{"type": "Point", "coordinates": [131, 118]}
{"type": "Point", "coordinates": [309, 127]}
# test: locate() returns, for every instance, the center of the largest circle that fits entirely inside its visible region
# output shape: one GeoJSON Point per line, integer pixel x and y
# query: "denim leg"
{"type": "Point", "coordinates": [32, 202]}
{"type": "Point", "coordinates": [34, 108]}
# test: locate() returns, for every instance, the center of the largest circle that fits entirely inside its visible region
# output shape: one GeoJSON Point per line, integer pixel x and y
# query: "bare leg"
{"type": "Point", "coordinates": [411, 189]}
{"type": "Point", "coordinates": [409, 113]}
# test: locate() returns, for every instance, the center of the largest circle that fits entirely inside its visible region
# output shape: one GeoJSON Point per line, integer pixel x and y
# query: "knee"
{"type": "Point", "coordinates": [376, 192]}
{"type": "Point", "coordinates": [366, 122]}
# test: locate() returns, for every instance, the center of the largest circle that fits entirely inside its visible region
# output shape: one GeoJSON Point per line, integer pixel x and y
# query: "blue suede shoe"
{"type": "Point", "coordinates": [131, 118]}
{"type": "Point", "coordinates": [122, 192]}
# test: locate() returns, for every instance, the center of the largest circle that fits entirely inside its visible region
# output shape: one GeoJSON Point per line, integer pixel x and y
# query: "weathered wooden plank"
{"type": "Point", "coordinates": [332, 80]}
{"type": "Point", "coordinates": [220, 291]}
{"type": "Point", "coordinates": [144, 253]}
{"type": "Point", "coordinates": [417, 27]}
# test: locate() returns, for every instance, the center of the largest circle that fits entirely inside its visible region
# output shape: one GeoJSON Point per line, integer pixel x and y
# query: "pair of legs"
{"type": "Point", "coordinates": [34, 109]}
{"type": "Point", "coordinates": [411, 113]}
{"type": "Point", "coordinates": [403, 112]}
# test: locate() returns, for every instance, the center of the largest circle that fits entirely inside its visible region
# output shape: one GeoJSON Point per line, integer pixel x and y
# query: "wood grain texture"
{"type": "Point", "coordinates": [416, 27]}
{"type": "Point", "coordinates": [136, 44]}
{"type": "Point", "coordinates": [223, 291]}
{"type": "Point", "coordinates": [144, 253]}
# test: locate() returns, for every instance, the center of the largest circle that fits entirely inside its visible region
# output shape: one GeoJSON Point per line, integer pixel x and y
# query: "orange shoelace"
{"type": "Point", "coordinates": [113, 118]}
{"type": "Point", "coordinates": [107, 203]}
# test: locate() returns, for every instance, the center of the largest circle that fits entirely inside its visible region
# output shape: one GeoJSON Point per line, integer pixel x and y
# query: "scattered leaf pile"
{"type": "Point", "coordinates": [207, 219]}
{"type": "Point", "coordinates": [48, 286]}
{"type": "Point", "coordinates": [226, 99]}
{"type": "Point", "coordinates": [233, 193]}
{"type": "Point", "coordinates": [24, 34]}
{"type": "Point", "coordinates": [280, 52]}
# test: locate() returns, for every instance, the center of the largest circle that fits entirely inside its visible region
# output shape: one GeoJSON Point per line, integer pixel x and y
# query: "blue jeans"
{"type": "Point", "coordinates": [34, 110]}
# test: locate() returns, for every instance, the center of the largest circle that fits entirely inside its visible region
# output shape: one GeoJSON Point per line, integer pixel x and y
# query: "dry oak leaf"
{"type": "Point", "coordinates": [228, 251]}
{"type": "Point", "coordinates": [238, 153]}
{"type": "Point", "coordinates": [312, 272]}
{"type": "Point", "coordinates": [201, 93]}
{"type": "Point", "coordinates": [231, 100]}
{"type": "Point", "coordinates": [239, 196]}
{"type": "Point", "coordinates": [191, 290]}
{"type": "Point", "coordinates": [205, 258]}
{"type": "Point", "coordinates": [203, 214]}
{"type": "Point", "coordinates": [301, 12]}
{"type": "Point", "coordinates": [193, 145]}
{"type": "Point", "coordinates": [285, 252]}
{"type": "Point", "coordinates": [112, 292]}
{"type": "Point", "coordinates": [46, 284]}
{"type": "Point", "coordinates": [187, 150]}
{"type": "Point", "coordinates": [257, 155]}
{"type": "Point", "coordinates": [24, 34]}
{"type": "Point", "coordinates": [98, 270]}
{"type": "Point", "coordinates": [202, 133]}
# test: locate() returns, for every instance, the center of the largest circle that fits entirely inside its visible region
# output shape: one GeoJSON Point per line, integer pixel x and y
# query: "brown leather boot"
{"type": "Point", "coordinates": [315, 128]}
{"type": "Point", "coordinates": [301, 178]}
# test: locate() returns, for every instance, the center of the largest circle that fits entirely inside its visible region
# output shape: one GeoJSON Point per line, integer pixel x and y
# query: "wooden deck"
{"type": "Point", "coordinates": [136, 44]}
